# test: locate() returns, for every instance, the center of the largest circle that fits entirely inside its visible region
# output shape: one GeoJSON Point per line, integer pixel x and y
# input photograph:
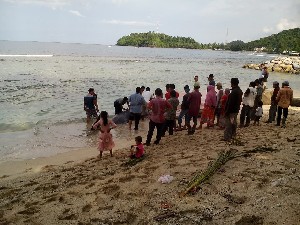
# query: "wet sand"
{"type": "Point", "coordinates": [262, 188]}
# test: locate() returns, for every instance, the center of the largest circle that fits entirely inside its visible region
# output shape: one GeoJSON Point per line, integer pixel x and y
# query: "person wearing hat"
{"type": "Point", "coordinates": [232, 109]}
{"type": "Point", "coordinates": [90, 105]}
{"type": "Point", "coordinates": [184, 107]}
{"type": "Point", "coordinates": [273, 107]}
{"type": "Point", "coordinates": [284, 99]}
{"type": "Point", "coordinates": [211, 80]}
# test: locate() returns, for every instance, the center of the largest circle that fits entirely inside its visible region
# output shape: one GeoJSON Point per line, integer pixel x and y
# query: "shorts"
{"type": "Point", "coordinates": [91, 113]}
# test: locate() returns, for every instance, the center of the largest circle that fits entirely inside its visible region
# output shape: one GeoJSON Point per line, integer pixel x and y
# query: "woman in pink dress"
{"type": "Point", "coordinates": [106, 142]}
{"type": "Point", "coordinates": [208, 113]}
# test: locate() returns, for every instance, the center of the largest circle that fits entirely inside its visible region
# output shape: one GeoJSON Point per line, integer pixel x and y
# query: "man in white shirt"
{"type": "Point", "coordinates": [148, 95]}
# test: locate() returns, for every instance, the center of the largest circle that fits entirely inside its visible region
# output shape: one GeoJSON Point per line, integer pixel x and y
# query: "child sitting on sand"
{"type": "Point", "coordinates": [258, 113]}
{"type": "Point", "coordinates": [137, 150]}
{"type": "Point", "coordinates": [106, 142]}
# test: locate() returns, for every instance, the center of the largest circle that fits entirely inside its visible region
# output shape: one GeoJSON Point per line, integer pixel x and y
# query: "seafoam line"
{"type": "Point", "coordinates": [26, 55]}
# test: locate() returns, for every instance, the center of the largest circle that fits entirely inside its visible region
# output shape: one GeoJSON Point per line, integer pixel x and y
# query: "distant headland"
{"type": "Point", "coordinates": [285, 42]}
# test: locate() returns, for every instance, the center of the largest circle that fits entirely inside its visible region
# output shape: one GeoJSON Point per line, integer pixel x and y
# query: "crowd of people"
{"type": "Point", "coordinates": [220, 109]}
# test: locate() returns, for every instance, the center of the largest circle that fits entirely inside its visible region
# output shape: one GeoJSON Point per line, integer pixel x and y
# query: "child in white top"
{"type": "Point", "coordinates": [258, 113]}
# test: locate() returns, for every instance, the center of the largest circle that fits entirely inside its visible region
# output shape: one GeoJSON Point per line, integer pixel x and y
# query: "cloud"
{"type": "Point", "coordinates": [268, 30]}
{"type": "Point", "coordinates": [76, 13]}
{"type": "Point", "coordinates": [284, 24]}
{"type": "Point", "coordinates": [119, 2]}
{"type": "Point", "coordinates": [129, 23]}
{"type": "Point", "coordinates": [54, 4]}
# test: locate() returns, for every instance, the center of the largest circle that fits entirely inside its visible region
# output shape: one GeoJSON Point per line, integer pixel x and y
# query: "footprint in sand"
{"type": "Point", "coordinates": [29, 211]}
{"type": "Point", "coordinates": [126, 178]}
{"type": "Point", "coordinates": [66, 215]}
{"type": "Point", "coordinates": [86, 208]}
{"type": "Point", "coordinates": [250, 220]}
{"type": "Point", "coordinates": [111, 189]}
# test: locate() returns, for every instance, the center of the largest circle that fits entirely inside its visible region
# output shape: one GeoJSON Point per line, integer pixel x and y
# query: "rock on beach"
{"type": "Point", "coordinates": [281, 64]}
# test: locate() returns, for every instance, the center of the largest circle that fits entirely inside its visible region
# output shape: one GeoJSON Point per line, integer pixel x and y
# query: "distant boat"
{"type": "Point", "coordinates": [109, 46]}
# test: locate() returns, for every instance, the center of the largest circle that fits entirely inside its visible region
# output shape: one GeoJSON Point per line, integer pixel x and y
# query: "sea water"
{"type": "Point", "coordinates": [42, 86]}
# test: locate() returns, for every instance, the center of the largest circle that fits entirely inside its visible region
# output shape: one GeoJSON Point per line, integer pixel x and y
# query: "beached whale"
{"type": "Point", "coordinates": [121, 118]}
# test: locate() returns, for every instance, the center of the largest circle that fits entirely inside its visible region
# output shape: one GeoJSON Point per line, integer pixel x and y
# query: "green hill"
{"type": "Point", "coordinates": [287, 40]}
{"type": "Point", "coordinates": [157, 40]}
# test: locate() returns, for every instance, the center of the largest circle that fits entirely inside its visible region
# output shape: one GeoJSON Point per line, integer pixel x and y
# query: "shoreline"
{"type": "Point", "coordinates": [15, 168]}
{"type": "Point", "coordinates": [260, 188]}
{"type": "Point", "coordinates": [123, 139]}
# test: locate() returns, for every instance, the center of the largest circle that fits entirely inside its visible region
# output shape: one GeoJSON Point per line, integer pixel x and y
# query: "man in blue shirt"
{"type": "Point", "coordinates": [90, 105]}
{"type": "Point", "coordinates": [136, 102]}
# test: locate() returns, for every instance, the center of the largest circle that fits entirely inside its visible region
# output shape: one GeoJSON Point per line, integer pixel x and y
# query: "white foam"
{"type": "Point", "coordinates": [26, 55]}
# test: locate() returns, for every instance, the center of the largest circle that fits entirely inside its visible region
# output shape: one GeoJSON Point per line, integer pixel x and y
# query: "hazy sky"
{"type": "Point", "coordinates": [105, 21]}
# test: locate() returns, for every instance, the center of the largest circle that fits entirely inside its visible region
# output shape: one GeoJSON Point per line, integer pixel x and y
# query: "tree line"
{"type": "Point", "coordinates": [287, 40]}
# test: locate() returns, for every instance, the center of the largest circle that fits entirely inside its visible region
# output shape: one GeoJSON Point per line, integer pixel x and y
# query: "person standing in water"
{"type": "Point", "coordinates": [90, 105]}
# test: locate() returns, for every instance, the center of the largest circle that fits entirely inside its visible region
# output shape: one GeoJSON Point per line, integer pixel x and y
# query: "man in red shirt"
{"type": "Point", "coordinates": [169, 88]}
{"type": "Point", "coordinates": [158, 107]}
{"type": "Point", "coordinates": [194, 107]}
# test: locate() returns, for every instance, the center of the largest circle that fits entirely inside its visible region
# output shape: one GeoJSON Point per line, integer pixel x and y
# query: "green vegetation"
{"type": "Point", "coordinates": [287, 40]}
{"type": "Point", "coordinates": [152, 39]}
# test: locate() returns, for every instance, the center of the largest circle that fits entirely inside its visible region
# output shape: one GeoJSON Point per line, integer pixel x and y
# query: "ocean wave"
{"type": "Point", "coordinates": [4, 127]}
{"type": "Point", "coordinates": [25, 55]}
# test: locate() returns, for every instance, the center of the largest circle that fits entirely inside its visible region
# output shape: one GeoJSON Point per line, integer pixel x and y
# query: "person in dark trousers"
{"type": "Point", "coordinates": [171, 114]}
{"type": "Point", "coordinates": [273, 107]}
{"type": "Point", "coordinates": [284, 99]}
{"type": "Point", "coordinates": [136, 102]}
{"type": "Point", "coordinates": [158, 106]}
{"type": "Point", "coordinates": [184, 107]}
{"type": "Point", "coordinates": [232, 109]}
{"type": "Point", "coordinates": [118, 104]}
{"type": "Point", "coordinates": [90, 105]}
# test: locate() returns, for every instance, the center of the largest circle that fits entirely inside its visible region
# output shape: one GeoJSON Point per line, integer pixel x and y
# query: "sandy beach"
{"type": "Point", "coordinates": [78, 188]}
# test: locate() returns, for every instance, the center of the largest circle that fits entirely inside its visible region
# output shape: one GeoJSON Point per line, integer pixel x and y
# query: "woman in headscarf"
{"type": "Point", "coordinates": [208, 113]}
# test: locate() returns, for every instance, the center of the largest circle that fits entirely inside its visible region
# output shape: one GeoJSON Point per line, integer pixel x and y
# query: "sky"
{"type": "Point", "coordinates": [105, 21]}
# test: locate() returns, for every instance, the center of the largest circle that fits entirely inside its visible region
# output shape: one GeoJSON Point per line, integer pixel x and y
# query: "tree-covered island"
{"type": "Point", "coordinates": [283, 42]}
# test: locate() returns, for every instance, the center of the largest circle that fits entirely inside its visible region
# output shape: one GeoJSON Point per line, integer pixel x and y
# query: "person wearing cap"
{"type": "Point", "coordinates": [194, 107]}
{"type": "Point", "coordinates": [184, 107]}
{"type": "Point", "coordinates": [273, 107]}
{"type": "Point", "coordinates": [219, 105]}
{"type": "Point", "coordinates": [90, 105]}
{"type": "Point", "coordinates": [211, 80]}
{"type": "Point", "coordinates": [232, 109]}
{"type": "Point", "coordinates": [284, 99]}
